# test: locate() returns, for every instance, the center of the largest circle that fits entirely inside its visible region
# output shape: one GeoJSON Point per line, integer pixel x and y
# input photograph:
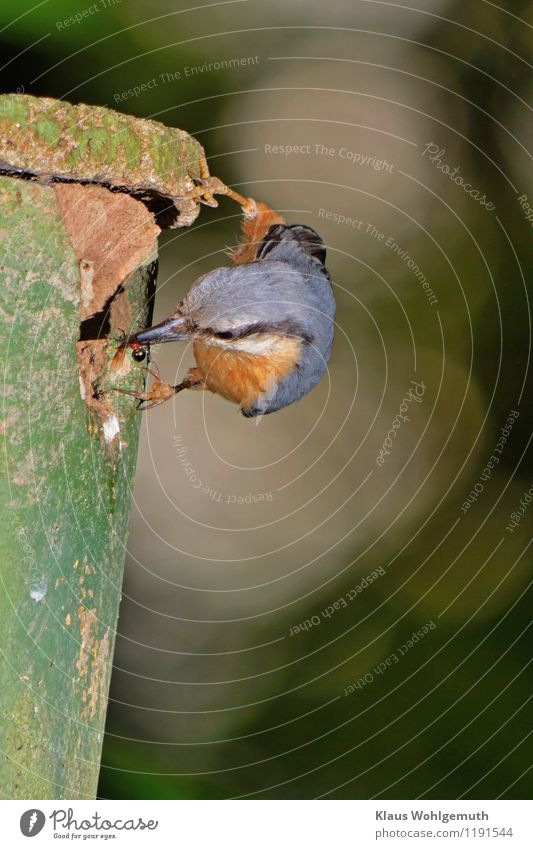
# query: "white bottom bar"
{"type": "Point", "coordinates": [269, 824]}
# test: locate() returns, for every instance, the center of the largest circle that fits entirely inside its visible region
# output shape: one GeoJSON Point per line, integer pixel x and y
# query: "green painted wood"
{"type": "Point", "coordinates": [64, 502]}
{"type": "Point", "coordinates": [63, 510]}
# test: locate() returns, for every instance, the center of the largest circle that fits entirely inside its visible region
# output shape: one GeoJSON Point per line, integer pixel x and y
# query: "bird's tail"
{"type": "Point", "coordinates": [280, 234]}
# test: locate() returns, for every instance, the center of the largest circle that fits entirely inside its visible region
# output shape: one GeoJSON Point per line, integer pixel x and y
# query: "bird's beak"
{"type": "Point", "coordinates": [169, 330]}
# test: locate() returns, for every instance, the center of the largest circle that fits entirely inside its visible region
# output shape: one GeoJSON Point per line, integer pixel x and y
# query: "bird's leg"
{"type": "Point", "coordinates": [193, 380]}
{"type": "Point", "coordinates": [161, 391]}
{"type": "Point", "coordinates": [257, 218]}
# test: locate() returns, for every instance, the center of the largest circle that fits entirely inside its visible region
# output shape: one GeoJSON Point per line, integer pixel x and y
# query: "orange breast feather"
{"type": "Point", "coordinates": [242, 376]}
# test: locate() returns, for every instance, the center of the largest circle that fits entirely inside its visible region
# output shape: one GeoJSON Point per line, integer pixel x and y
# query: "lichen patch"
{"type": "Point", "coordinates": [92, 664]}
{"type": "Point", "coordinates": [87, 619]}
{"type": "Point", "coordinates": [97, 690]}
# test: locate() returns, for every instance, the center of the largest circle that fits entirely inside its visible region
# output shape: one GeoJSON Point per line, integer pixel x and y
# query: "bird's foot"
{"type": "Point", "coordinates": [160, 391]}
{"type": "Point", "coordinates": [214, 186]}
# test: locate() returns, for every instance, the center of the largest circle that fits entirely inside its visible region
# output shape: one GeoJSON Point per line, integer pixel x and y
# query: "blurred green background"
{"type": "Point", "coordinates": [241, 531]}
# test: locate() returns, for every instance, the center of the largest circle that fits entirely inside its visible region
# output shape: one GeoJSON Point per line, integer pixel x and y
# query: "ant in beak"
{"type": "Point", "coordinates": [160, 390]}
{"type": "Point", "coordinates": [139, 352]}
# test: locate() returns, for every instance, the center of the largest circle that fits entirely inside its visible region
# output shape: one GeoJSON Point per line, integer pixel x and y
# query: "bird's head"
{"type": "Point", "coordinates": [238, 309]}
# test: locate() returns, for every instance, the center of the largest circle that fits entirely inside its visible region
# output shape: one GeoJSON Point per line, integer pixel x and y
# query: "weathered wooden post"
{"type": "Point", "coordinates": [83, 192]}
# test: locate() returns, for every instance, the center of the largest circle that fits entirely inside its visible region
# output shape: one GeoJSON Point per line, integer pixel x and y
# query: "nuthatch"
{"type": "Point", "coordinates": [262, 330]}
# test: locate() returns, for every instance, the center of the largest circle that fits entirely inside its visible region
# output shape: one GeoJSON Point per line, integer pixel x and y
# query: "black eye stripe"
{"type": "Point", "coordinates": [283, 328]}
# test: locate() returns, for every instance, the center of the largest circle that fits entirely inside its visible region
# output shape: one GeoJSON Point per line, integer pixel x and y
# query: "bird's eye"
{"type": "Point", "coordinates": [138, 354]}
{"type": "Point", "coordinates": [225, 334]}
